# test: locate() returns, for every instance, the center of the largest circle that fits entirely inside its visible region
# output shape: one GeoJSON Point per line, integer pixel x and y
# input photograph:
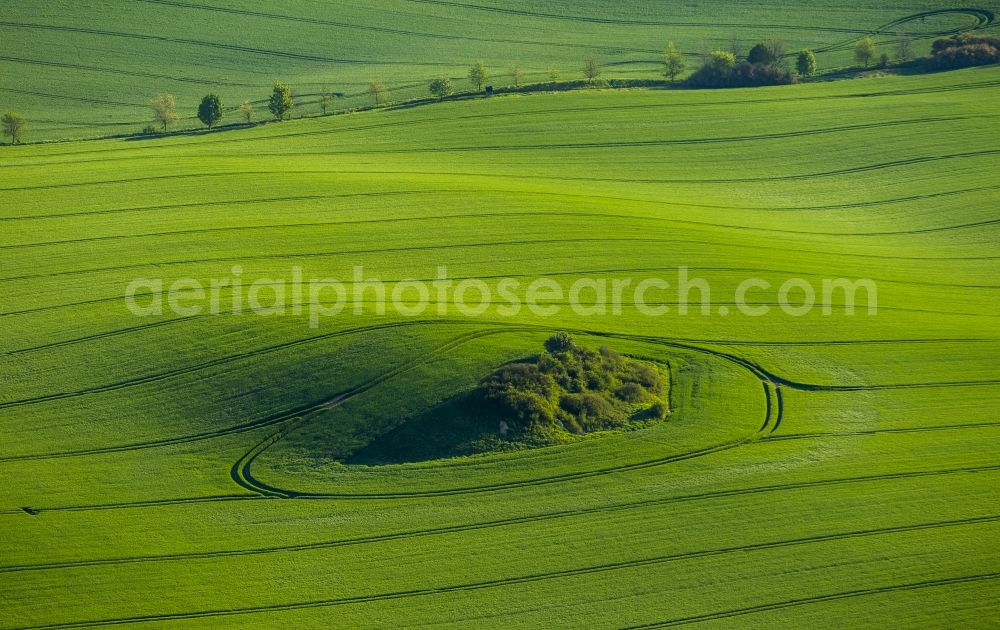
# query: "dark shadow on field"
{"type": "Point", "coordinates": [192, 132]}
{"type": "Point", "coordinates": [458, 426]}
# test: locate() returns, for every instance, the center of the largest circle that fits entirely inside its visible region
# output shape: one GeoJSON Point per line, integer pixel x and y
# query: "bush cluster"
{"type": "Point", "coordinates": [964, 50]}
{"type": "Point", "coordinates": [574, 389]}
{"type": "Point", "coordinates": [764, 66]}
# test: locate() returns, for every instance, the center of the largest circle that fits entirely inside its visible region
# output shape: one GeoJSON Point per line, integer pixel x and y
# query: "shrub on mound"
{"type": "Point", "coordinates": [571, 389]}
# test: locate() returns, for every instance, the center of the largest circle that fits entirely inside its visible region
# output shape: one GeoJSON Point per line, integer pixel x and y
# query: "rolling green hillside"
{"type": "Point", "coordinates": [89, 69]}
{"type": "Point", "coordinates": [823, 471]}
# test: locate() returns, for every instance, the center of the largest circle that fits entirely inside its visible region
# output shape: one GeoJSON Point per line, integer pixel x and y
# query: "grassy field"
{"type": "Point", "coordinates": [824, 471]}
{"type": "Point", "coordinates": [89, 69]}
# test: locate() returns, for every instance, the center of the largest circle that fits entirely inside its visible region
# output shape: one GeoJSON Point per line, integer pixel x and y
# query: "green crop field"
{"type": "Point", "coordinates": [189, 468]}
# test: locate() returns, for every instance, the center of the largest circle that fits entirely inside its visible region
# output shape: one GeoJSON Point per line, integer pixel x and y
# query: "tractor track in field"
{"type": "Point", "coordinates": [818, 599]}
{"type": "Point", "coordinates": [254, 200]}
{"type": "Point", "coordinates": [98, 336]}
{"type": "Point", "coordinates": [573, 572]}
{"type": "Point", "coordinates": [117, 298]}
{"type": "Point", "coordinates": [161, 39]}
{"type": "Point", "coordinates": [759, 179]}
{"type": "Point", "coordinates": [233, 202]}
{"type": "Point", "coordinates": [867, 168]}
{"type": "Point", "coordinates": [159, 376]}
{"type": "Point", "coordinates": [129, 505]}
{"type": "Point", "coordinates": [248, 481]}
{"type": "Point", "coordinates": [719, 342]}
{"type": "Point", "coordinates": [983, 18]}
{"type": "Point", "coordinates": [273, 419]}
{"type": "Point", "coordinates": [802, 133]}
{"type": "Point", "coordinates": [489, 244]}
{"type": "Point", "coordinates": [126, 73]}
{"type": "Point", "coordinates": [723, 180]}
{"type": "Point", "coordinates": [387, 30]}
{"type": "Point", "coordinates": [631, 144]}
{"type": "Point", "coordinates": [267, 421]}
{"type": "Point", "coordinates": [701, 226]}
{"type": "Point", "coordinates": [76, 99]}
{"type": "Point", "coordinates": [451, 529]}
{"type": "Point", "coordinates": [799, 272]}
{"type": "Point", "coordinates": [889, 430]}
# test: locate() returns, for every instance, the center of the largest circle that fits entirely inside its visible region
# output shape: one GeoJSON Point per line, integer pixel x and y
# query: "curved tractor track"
{"type": "Point", "coordinates": [983, 18]}
{"type": "Point", "coordinates": [771, 386]}
{"type": "Point", "coordinates": [242, 474]}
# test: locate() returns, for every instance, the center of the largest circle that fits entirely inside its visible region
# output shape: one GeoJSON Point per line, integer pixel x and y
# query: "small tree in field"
{"type": "Point", "coordinates": [210, 110]}
{"type": "Point", "coordinates": [326, 100]}
{"type": "Point", "coordinates": [554, 75]}
{"type": "Point", "coordinates": [247, 112]}
{"type": "Point", "coordinates": [280, 104]}
{"type": "Point", "coordinates": [591, 69]}
{"type": "Point", "coordinates": [806, 63]}
{"type": "Point", "coordinates": [673, 62]}
{"type": "Point", "coordinates": [378, 92]}
{"type": "Point", "coordinates": [865, 51]}
{"type": "Point", "coordinates": [164, 109]}
{"type": "Point", "coordinates": [441, 87]}
{"type": "Point", "coordinates": [14, 125]}
{"type": "Point", "coordinates": [517, 73]}
{"type": "Point", "coordinates": [479, 75]}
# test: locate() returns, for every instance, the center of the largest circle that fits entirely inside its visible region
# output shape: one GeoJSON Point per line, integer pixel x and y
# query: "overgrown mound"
{"type": "Point", "coordinates": [573, 389]}
{"type": "Point", "coordinates": [964, 50]}
{"type": "Point", "coordinates": [557, 397]}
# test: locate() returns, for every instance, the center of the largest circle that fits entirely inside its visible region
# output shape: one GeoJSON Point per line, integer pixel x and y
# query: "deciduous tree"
{"type": "Point", "coordinates": [865, 51]}
{"type": "Point", "coordinates": [164, 109]}
{"type": "Point", "coordinates": [478, 75]}
{"type": "Point", "coordinates": [673, 62]}
{"type": "Point", "coordinates": [441, 87]}
{"type": "Point", "coordinates": [281, 103]}
{"type": "Point", "coordinates": [516, 73]}
{"type": "Point", "coordinates": [806, 63]}
{"type": "Point", "coordinates": [14, 126]}
{"type": "Point", "coordinates": [326, 100]}
{"type": "Point", "coordinates": [247, 111]}
{"type": "Point", "coordinates": [378, 92]}
{"type": "Point", "coordinates": [210, 110]}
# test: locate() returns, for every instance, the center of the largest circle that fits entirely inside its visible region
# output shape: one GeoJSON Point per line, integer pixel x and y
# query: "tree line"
{"type": "Point", "coordinates": [766, 63]}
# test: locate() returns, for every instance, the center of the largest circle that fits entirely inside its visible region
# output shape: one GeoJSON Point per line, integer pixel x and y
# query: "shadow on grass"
{"type": "Point", "coordinates": [459, 426]}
